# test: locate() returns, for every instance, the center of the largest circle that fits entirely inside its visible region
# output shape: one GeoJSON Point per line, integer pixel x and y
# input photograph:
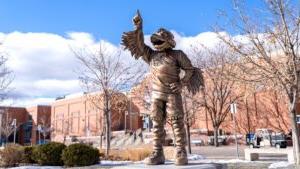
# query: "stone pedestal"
{"type": "Point", "coordinates": [171, 165]}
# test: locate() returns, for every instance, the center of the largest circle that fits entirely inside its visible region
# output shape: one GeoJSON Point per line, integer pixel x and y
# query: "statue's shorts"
{"type": "Point", "coordinates": [167, 108]}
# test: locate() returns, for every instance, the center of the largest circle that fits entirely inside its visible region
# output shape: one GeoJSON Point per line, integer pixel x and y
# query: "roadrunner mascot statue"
{"type": "Point", "coordinates": [166, 101]}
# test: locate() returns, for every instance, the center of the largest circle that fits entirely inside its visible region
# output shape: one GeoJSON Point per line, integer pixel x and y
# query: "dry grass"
{"type": "Point", "coordinates": [169, 152]}
{"type": "Point", "coordinates": [136, 153]}
{"type": "Point", "coordinates": [130, 154]}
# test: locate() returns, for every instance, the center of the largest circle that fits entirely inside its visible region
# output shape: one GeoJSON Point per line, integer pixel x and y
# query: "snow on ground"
{"type": "Point", "coordinates": [113, 163]}
{"type": "Point", "coordinates": [281, 164]}
{"type": "Point", "coordinates": [231, 161]}
{"type": "Point", "coordinates": [193, 157]}
{"type": "Point", "coordinates": [37, 167]}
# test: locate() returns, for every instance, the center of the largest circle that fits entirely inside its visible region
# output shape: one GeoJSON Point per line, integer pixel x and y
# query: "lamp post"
{"type": "Point", "coordinates": [14, 125]}
{"type": "Point", "coordinates": [125, 127]}
{"type": "Point", "coordinates": [130, 112]}
{"type": "Point", "coordinates": [39, 129]}
{"type": "Point", "coordinates": [1, 114]}
{"type": "Point", "coordinates": [234, 111]}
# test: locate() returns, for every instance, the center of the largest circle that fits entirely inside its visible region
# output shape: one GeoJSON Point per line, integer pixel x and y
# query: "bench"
{"type": "Point", "coordinates": [252, 154]}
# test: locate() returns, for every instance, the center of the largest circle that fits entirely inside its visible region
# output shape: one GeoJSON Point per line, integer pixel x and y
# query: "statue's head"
{"type": "Point", "coordinates": [163, 39]}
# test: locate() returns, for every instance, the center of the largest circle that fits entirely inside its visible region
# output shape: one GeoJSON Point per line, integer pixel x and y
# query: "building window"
{"type": "Point", "coordinates": [75, 123]}
{"type": "Point", "coordinates": [59, 123]}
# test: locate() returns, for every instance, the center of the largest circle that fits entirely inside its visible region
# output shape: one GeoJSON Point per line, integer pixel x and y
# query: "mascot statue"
{"type": "Point", "coordinates": [166, 102]}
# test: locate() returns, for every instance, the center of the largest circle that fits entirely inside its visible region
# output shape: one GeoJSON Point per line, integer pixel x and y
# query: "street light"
{"type": "Point", "coordinates": [125, 127]}
{"type": "Point", "coordinates": [39, 129]}
{"type": "Point", "coordinates": [234, 111]}
{"type": "Point", "coordinates": [14, 125]}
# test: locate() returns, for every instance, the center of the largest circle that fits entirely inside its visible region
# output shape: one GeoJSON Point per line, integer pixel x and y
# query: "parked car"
{"type": "Point", "coordinates": [221, 140]}
{"type": "Point", "coordinates": [278, 141]}
{"type": "Point", "coordinates": [197, 142]}
{"type": "Point", "coordinates": [263, 138]}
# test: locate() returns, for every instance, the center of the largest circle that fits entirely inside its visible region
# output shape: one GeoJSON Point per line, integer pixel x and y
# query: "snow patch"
{"type": "Point", "coordinates": [233, 161]}
{"type": "Point", "coordinates": [37, 167]}
{"type": "Point", "coordinates": [281, 164]}
{"type": "Point", "coordinates": [114, 163]}
{"type": "Point", "coordinates": [192, 157]}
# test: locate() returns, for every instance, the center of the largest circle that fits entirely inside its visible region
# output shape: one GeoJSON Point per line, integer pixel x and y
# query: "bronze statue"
{"type": "Point", "coordinates": [165, 66]}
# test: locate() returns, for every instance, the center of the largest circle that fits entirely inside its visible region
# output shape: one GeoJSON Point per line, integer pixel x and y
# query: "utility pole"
{"type": "Point", "coordinates": [234, 111]}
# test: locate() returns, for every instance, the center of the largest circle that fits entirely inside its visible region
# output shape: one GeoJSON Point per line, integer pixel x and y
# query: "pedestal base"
{"type": "Point", "coordinates": [171, 165]}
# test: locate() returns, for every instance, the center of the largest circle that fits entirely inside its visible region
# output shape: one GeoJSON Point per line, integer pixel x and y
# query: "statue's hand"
{"type": "Point", "coordinates": [176, 87]}
{"type": "Point", "coordinates": [137, 20]}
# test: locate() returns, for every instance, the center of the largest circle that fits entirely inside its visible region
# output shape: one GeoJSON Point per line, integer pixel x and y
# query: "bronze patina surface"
{"type": "Point", "coordinates": [165, 66]}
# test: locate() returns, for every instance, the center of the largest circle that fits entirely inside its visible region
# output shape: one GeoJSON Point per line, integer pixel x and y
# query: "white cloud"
{"type": "Point", "coordinates": [45, 67]}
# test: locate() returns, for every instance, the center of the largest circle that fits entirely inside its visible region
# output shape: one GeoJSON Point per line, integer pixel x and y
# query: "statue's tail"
{"type": "Point", "coordinates": [196, 82]}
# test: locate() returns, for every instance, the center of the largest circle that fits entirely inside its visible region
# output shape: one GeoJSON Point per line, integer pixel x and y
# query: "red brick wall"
{"type": "Point", "coordinates": [80, 117]}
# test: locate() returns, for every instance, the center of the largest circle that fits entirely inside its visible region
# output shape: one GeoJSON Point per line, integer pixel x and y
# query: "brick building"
{"type": "Point", "coordinates": [81, 116]}
{"type": "Point", "coordinates": [263, 109]}
{"type": "Point", "coordinates": [27, 120]}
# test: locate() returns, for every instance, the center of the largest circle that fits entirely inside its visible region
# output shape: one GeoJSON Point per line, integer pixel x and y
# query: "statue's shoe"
{"type": "Point", "coordinates": [181, 157]}
{"type": "Point", "coordinates": [155, 158]}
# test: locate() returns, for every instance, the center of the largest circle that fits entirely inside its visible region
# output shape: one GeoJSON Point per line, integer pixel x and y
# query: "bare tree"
{"type": "Point", "coordinates": [219, 91]}
{"type": "Point", "coordinates": [271, 111]}
{"type": "Point", "coordinates": [6, 77]}
{"type": "Point", "coordinates": [45, 124]}
{"type": "Point", "coordinates": [190, 106]}
{"type": "Point", "coordinates": [106, 71]}
{"type": "Point", "coordinates": [268, 50]}
{"type": "Point", "coordinates": [276, 111]}
{"type": "Point", "coordinates": [7, 127]}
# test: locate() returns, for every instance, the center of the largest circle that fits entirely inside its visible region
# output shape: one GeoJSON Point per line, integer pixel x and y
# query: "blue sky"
{"type": "Point", "coordinates": [108, 19]}
{"type": "Point", "coordinates": [36, 35]}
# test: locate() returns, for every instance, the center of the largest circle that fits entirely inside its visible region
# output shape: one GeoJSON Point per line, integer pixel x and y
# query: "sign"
{"type": "Point", "coordinates": [233, 109]}
{"type": "Point", "coordinates": [39, 128]}
{"type": "Point", "coordinates": [14, 123]}
{"type": "Point", "coordinates": [298, 119]}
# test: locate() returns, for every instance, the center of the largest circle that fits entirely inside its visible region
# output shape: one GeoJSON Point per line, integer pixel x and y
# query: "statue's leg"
{"type": "Point", "coordinates": [175, 112]}
{"type": "Point", "coordinates": [158, 115]}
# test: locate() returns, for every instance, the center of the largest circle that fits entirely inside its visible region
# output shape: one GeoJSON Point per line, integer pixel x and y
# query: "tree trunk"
{"type": "Point", "coordinates": [216, 143]}
{"type": "Point", "coordinates": [101, 138]}
{"type": "Point", "coordinates": [188, 135]}
{"type": "Point", "coordinates": [107, 124]}
{"type": "Point", "coordinates": [187, 126]}
{"type": "Point", "coordinates": [248, 117]}
{"type": "Point", "coordinates": [295, 134]}
{"type": "Point", "coordinates": [107, 135]}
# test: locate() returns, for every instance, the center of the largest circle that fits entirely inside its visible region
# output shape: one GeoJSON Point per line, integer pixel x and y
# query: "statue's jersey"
{"type": "Point", "coordinates": [165, 65]}
{"type": "Point", "coordinates": [165, 68]}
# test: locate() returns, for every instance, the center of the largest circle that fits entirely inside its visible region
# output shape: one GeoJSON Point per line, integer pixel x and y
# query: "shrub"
{"type": "Point", "coordinates": [49, 154]}
{"type": "Point", "coordinates": [11, 155]}
{"type": "Point", "coordinates": [28, 156]}
{"type": "Point", "coordinates": [80, 154]}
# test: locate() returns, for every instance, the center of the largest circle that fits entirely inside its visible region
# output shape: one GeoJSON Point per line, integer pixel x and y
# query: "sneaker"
{"type": "Point", "coordinates": [155, 158]}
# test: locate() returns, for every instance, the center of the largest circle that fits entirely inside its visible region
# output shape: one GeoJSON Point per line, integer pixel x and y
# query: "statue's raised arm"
{"type": "Point", "coordinates": [134, 40]}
